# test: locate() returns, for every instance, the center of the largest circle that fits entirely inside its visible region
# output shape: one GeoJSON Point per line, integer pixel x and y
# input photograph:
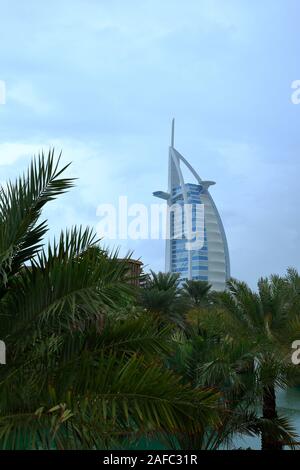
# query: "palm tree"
{"type": "Point", "coordinates": [163, 281]}
{"type": "Point", "coordinates": [78, 374]}
{"type": "Point", "coordinates": [202, 359]}
{"type": "Point", "coordinates": [161, 296]}
{"type": "Point", "coordinates": [266, 322]}
{"type": "Point", "coordinates": [197, 292]}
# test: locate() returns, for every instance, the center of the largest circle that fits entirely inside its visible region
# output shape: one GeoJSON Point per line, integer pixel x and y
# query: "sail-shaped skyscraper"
{"type": "Point", "coordinates": [209, 258]}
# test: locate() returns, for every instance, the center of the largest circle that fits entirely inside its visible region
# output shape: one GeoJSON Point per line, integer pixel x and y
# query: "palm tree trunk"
{"type": "Point", "coordinates": [269, 412]}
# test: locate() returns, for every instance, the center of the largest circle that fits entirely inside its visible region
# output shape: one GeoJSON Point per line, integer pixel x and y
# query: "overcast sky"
{"type": "Point", "coordinates": [101, 81]}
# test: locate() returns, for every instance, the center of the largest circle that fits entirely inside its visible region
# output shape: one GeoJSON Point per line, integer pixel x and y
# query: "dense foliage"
{"type": "Point", "coordinates": [94, 362]}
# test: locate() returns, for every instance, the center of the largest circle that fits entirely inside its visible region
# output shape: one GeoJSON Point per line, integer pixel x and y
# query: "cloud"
{"type": "Point", "coordinates": [11, 152]}
{"type": "Point", "coordinates": [23, 93]}
{"type": "Point", "coordinates": [102, 80]}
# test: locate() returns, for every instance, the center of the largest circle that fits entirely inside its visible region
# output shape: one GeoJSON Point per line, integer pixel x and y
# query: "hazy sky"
{"type": "Point", "coordinates": [101, 80]}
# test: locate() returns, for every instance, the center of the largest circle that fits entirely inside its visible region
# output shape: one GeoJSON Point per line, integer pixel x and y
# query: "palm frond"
{"type": "Point", "coordinates": [20, 208]}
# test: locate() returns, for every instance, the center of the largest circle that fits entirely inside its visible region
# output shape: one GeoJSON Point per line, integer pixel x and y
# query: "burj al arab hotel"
{"type": "Point", "coordinates": [209, 259]}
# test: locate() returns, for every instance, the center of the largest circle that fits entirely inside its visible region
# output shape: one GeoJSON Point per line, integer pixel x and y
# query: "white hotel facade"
{"type": "Point", "coordinates": [209, 261]}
